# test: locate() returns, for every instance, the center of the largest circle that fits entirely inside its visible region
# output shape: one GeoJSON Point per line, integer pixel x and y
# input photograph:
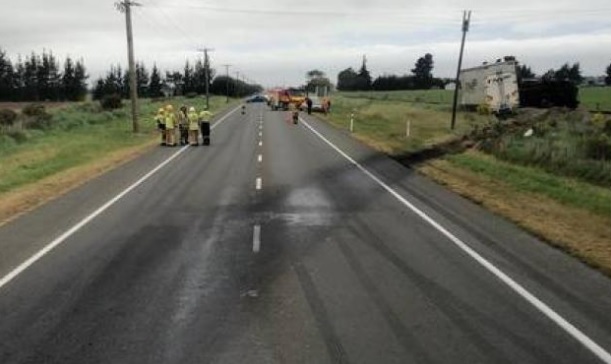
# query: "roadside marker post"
{"type": "Point", "coordinates": [352, 122]}
{"type": "Point", "coordinates": [408, 127]}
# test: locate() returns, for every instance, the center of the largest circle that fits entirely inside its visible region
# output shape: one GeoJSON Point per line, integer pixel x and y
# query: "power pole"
{"type": "Point", "coordinates": [207, 73]}
{"type": "Point", "coordinates": [466, 20]}
{"type": "Point", "coordinates": [237, 84]}
{"type": "Point", "coordinates": [227, 83]}
{"type": "Point", "coordinates": [126, 7]}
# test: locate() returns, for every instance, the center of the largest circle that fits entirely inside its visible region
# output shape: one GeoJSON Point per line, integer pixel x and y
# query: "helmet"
{"type": "Point", "coordinates": [169, 108]}
{"type": "Point", "coordinates": [191, 109]}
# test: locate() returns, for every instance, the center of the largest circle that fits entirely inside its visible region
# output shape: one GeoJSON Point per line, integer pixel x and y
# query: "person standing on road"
{"type": "Point", "coordinates": [204, 125]}
{"type": "Point", "coordinates": [183, 125]}
{"type": "Point", "coordinates": [193, 118]}
{"type": "Point", "coordinates": [309, 104]}
{"type": "Point", "coordinates": [160, 119]}
{"type": "Point", "coordinates": [170, 125]}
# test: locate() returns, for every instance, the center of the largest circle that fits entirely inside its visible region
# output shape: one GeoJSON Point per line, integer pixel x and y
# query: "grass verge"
{"type": "Point", "coordinates": [81, 143]}
{"type": "Point", "coordinates": [570, 215]}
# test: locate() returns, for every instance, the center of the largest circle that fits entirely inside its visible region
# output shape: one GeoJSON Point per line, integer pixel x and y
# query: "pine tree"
{"type": "Point", "coordinates": [189, 79]}
{"type": "Point", "coordinates": [142, 80]}
{"type": "Point", "coordinates": [79, 87]}
{"type": "Point", "coordinates": [7, 85]}
{"type": "Point", "coordinates": [422, 71]}
{"type": "Point", "coordinates": [364, 77]}
{"type": "Point", "coordinates": [608, 78]}
{"type": "Point", "coordinates": [155, 83]}
{"type": "Point", "coordinates": [30, 79]}
{"type": "Point", "coordinates": [68, 80]}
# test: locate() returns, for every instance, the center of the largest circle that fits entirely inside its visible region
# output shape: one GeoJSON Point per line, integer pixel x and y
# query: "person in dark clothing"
{"type": "Point", "coordinates": [183, 125]}
{"type": "Point", "coordinates": [309, 103]}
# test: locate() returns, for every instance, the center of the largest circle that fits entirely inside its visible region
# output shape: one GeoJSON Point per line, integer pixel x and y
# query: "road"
{"type": "Point", "coordinates": [286, 243]}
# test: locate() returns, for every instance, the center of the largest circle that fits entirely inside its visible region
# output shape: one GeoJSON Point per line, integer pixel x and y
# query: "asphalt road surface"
{"type": "Point", "coordinates": [284, 243]}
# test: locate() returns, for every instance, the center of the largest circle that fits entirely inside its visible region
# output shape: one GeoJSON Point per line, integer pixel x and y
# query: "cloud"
{"type": "Point", "coordinates": [276, 43]}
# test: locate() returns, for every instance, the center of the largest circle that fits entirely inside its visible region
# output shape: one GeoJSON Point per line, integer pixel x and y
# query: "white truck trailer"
{"type": "Point", "coordinates": [493, 84]}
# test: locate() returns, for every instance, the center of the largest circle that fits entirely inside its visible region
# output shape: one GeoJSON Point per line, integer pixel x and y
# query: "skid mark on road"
{"type": "Point", "coordinates": [541, 306]}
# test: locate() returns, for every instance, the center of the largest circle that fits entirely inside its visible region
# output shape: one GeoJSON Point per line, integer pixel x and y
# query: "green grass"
{"type": "Point", "coordinates": [591, 98]}
{"type": "Point", "coordinates": [528, 179]}
{"type": "Point", "coordinates": [442, 97]}
{"type": "Point", "coordinates": [383, 122]}
{"type": "Point", "coordinates": [595, 98]}
{"type": "Point", "coordinates": [80, 134]}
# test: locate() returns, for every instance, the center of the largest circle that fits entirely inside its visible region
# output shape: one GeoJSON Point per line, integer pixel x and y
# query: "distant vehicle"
{"type": "Point", "coordinates": [494, 85]}
{"type": "Point", "coordinates": [256, 98]}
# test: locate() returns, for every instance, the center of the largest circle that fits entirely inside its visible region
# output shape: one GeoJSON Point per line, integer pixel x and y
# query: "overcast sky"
{"type": "Point", "coordinates": [277, 42]}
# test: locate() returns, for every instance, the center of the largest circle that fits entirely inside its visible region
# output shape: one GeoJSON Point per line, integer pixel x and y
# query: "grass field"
{"type": "Point", "coordinates": [591, 98]}
{"type": "Point", "coordinates": [79, 134]}
{"type": "Point", "coordinates": [595, 98]}
{"type": "Point", "coordinates": [383, 122]}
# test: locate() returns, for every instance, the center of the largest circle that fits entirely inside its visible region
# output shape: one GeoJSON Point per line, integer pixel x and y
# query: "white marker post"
{"type": "Point", "coordinates": [352, 122]}
{"type": "Point", "coordinates": [408, 127]}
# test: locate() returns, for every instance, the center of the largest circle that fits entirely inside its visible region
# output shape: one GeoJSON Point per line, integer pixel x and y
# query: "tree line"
{"type": "Point", "coordinates": [190, 81]}
{"type": "Point", "coordinates": [42, 78]}
{"type": "Point", "coordinates": [421, 78]}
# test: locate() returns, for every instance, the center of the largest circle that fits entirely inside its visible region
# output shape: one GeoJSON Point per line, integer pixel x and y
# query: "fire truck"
{"type": "Point", "coordinates": [281, 99]}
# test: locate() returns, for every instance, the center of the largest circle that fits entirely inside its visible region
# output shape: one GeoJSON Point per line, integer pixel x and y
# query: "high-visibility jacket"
{"type": "Point", "coordinates": [160, 118]}
{"type": "Point", "coordinates": [205, 116]}
{"type": "Point", "coordinates": [193, 118]}
{"type": "Point", "coordinates": [170, 120]}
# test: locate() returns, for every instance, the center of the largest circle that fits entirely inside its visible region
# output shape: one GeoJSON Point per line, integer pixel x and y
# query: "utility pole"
{"type": "Point", "coordinates": [227, 79]}
{"type": "Point", "coordinates": [237, 84]}
{"type": "Point", "coordinates": [126, 7]}
{"type": "Point", "coordinates": [466, 20]}
{"type": "Point", "coordinates": [207, 73]}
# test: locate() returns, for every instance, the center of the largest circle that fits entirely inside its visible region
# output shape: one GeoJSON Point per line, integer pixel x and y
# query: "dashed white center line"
{"type": "Point", "coordinates": [260, 144]}
{"type": "Point", "coordinates": [260, 134]}
{"type": "Point", "coordinates": [256, 239]}
{"type": "Point", "coordinates": [260, 159]}
{"type": "Point", "coordinates": [259, 183]}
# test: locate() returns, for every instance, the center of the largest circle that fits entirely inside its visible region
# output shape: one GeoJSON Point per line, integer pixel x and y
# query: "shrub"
{"type": "Point", "coordinates": [598, 147]}
{"type": "Point", "coordinates": [483, 109]}
{"type": "Point", "coordinates": [19, 136]}
{"type": "Point", "coordinates": [191, 95]}
{"type": "Point", "coordinates": [7, 118]}
{"type": "Point", "coordinates": [37, 117]}
{"type": "Point", "coordinates": [34, 110]}
{"type": "Point", "coordinates": [111, 102]}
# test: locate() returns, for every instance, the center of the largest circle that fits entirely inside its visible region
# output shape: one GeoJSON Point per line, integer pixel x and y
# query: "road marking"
{"type": "Point", "coordinates": [256, 239]}
{"type": "Point", "coordinates": [260, 134]}
{"type": "Point", "coordinates": [259, 183]}
{"type": "Point", "coordinates": [564, 324]}
{"type": "Point", "coordinates": [260, 144]}
{"type": "Point", "coordinates": [260, 159]}
{"type": "Point", "coordinates": [68, 233]}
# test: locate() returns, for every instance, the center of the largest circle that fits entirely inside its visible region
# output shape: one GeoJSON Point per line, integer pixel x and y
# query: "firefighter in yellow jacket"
{"type": "Point", "coordinates": [193, 118]}
{"type": "Point", "coordinates": [160, 119]}
{"type": "Point", "coordinates": [170, 126]}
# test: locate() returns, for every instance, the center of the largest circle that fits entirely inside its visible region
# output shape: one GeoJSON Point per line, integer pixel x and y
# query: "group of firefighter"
{"type": "Point", "coordinates": [187, 122]}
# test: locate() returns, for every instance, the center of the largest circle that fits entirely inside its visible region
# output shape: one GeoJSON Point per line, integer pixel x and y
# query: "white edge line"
{"type": "Point", "coordinates": [256, 239]}
{"type": "Point", "coordinates": [60, 239]}
{"type": "Point", "coordinates": [590, 344]}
